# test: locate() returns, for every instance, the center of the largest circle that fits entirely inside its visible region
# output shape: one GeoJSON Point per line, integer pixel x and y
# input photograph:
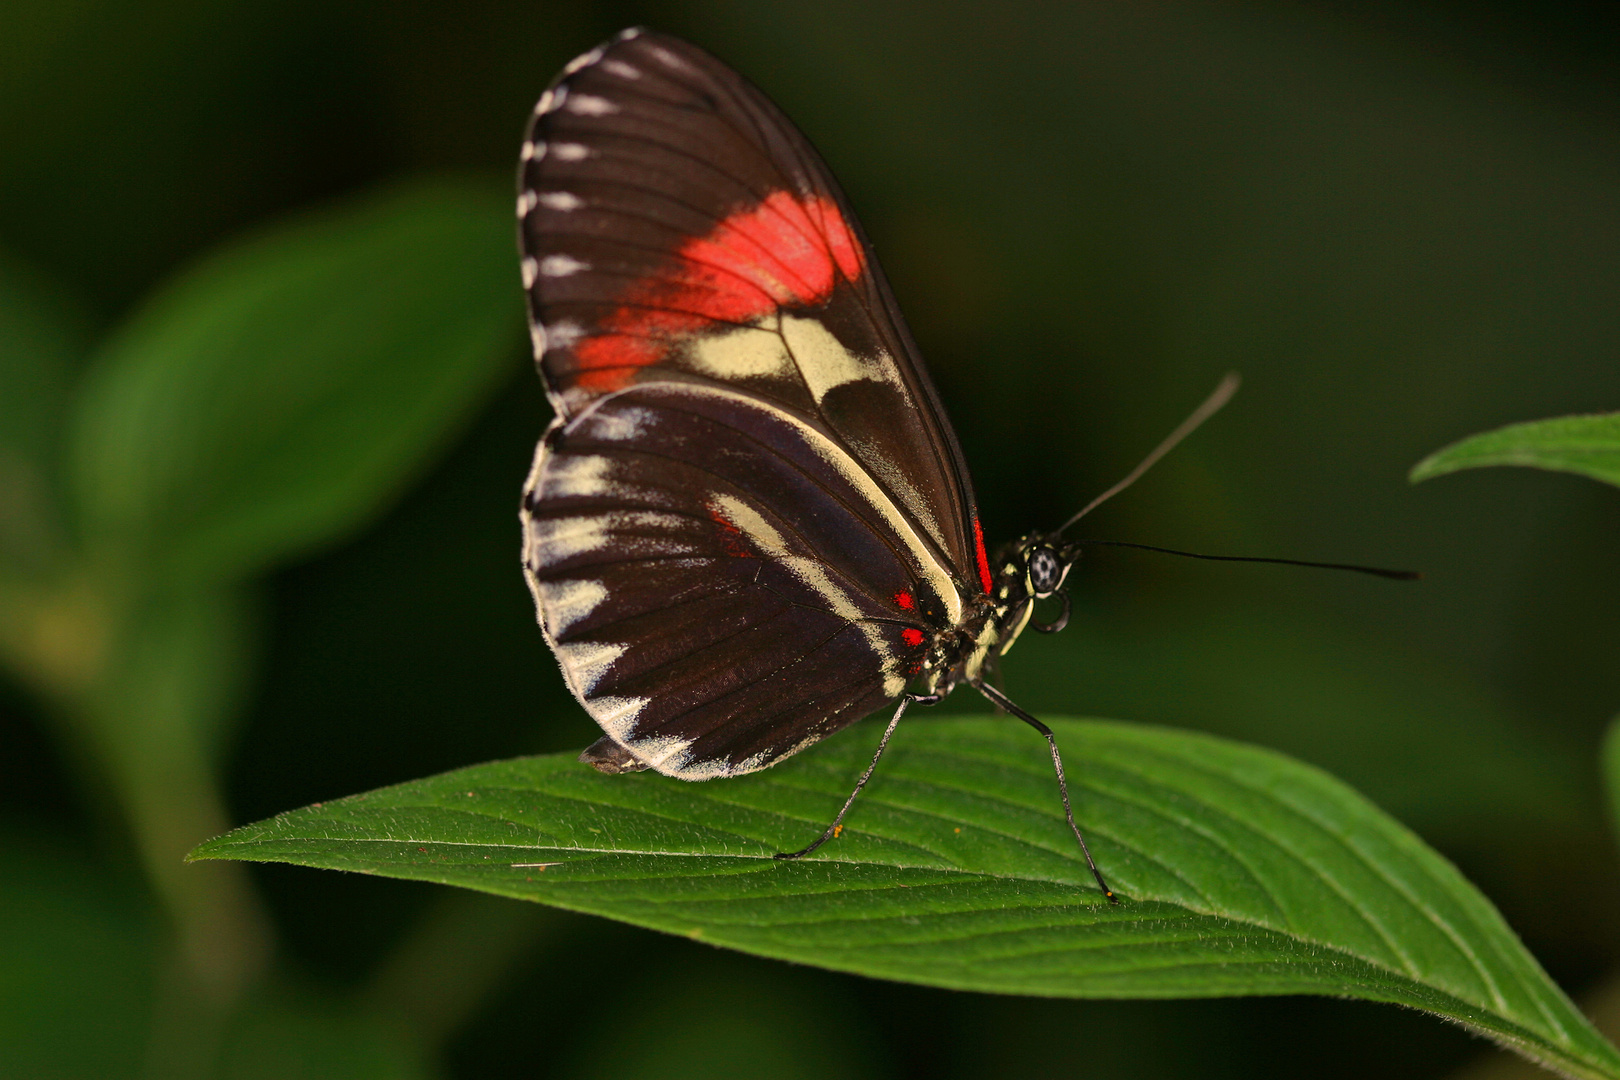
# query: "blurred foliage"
{"type": "Point", "coordinates": [244, 416]}
{"type": "Point", "coordinates": [78, 965]}
{"type": "Point", "coordinates": [238, 419]}
{"type": "Point", "coordinates": [1400, 222]}
{"type": "Point", "coordinates": [1611, 772]}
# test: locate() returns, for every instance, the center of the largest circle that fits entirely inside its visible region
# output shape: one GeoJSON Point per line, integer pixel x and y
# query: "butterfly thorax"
{"type": "Point", "coordinates": [1028, 569]}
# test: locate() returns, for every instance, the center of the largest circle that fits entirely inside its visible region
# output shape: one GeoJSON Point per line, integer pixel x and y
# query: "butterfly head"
{"type": "Point", "coordinates": [1032, 568]}
{"type": "Point", "coordinates": [1046, 565]}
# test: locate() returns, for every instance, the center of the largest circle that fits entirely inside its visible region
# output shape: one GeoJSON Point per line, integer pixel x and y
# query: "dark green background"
{"type": "Point", "coordinates": [1401, 224]}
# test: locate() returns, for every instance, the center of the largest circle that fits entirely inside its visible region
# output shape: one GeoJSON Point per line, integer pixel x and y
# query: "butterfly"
{"type": "Point", "coordinates": [750, 523]}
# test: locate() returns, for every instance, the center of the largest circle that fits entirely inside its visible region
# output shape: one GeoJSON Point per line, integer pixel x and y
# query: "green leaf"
{"type": "Point", "coordinates": [82, 979]}
{"type": "Point", "coordinates": [1611, 771]}
{"type": "Point", "coordinates": [1588, 445]}
{"type": "Point", "coordinates": [280, 393]}
{"type": "Point", "coordinates": [173, 682]}
{"type": "Point", "coordinates": [157, 720]}
{"type": "Point", "coordinates": [79, 951]}
{"type": "Point", "coordinates": [42, 338]}
{"type": "Point", "coordinates": [1425, 742]}
{"type": "Point", "coordinates": [289, 1032]}
{"type": "Point", "coordinates": [1243, 872]}
{"type": "Point", "coordinates": [738, 1019]}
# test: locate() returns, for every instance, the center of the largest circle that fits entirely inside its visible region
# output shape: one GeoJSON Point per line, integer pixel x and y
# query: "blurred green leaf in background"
{"type": "Point", "coordinates": [1587, 445]}
{"type": "Point", "coordinates": [281, 393]}
{"type": "Point", "coordinates": [264, 414]}
{"type": "Point", "coordinates": [272, 399]}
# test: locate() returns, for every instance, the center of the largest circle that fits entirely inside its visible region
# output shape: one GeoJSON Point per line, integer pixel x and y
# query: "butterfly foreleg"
{"type": "Point", "coordinates": [837, 826]}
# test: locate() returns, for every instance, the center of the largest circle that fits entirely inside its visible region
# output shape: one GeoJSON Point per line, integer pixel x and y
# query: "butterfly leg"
{"type": "Point", "coordinates": [906, 701]}
{"type": "Point", "coordinates": [1000, 699]}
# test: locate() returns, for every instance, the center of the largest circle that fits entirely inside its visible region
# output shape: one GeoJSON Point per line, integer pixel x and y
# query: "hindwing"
{"type": "Point", "coordinates": [722, 583]}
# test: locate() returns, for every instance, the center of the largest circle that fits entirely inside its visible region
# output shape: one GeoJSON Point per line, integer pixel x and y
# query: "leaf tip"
{"type": "Point", "coordinates": [1427, 469]}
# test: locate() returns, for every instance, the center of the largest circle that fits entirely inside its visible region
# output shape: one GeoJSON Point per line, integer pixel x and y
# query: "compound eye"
{"type": "Point", "coordinates": [1045, 570]}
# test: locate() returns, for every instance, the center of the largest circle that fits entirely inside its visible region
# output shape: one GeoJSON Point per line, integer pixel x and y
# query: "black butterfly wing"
{"type": "Point", "coordinates": [676, 226]}
{"type": "Point", "coordinates": [750, 517]}
{"type": "Point", "coordinates": [721, 583]}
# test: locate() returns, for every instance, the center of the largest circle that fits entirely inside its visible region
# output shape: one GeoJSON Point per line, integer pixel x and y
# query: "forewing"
{"type": "Point", "coordinates": [722, 584]}
{"type": "Point", "coordinates": [676, 227]}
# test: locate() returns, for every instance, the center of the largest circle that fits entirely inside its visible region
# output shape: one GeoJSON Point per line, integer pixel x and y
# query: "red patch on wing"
{"type": "Point", "coordinates": [912, 636]}
{"type": "Point", "coordinates": [731, 537]}
{"type": "Point", "coordinates": [786, 251]}
{"type": "Point", "coordinates": [906, 600]}
{"type": "Point", "coordinates": [978, 552]}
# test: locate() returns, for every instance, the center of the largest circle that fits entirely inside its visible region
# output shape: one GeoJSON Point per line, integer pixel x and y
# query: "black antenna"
{"type": "Point", "coordinates": [1212, 405]}
{"type": "Point", "coordinates": [1398, 575]}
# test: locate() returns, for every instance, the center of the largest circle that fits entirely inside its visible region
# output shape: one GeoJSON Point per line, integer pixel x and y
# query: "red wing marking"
{"type": "Point", "coordinates": [912, 636]}
{"type": "Point", "coordinates": [731, 537]}
{"type": "Point", "coordinates": [978, 551]}
{"type": "Point", "coordinates": [906, 600]}
{"type": "Point", "coordinates": [787, 251]}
